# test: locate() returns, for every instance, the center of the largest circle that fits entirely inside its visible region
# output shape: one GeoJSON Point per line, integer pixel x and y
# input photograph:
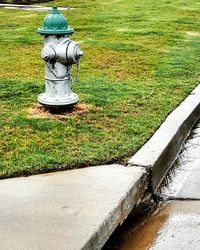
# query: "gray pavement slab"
{"type": "Point", "coordinates": [76, 209]}
{"type": "Point", "coordinates": [191, 189]}
{"type": "Point", "coordinates": [183, 183]}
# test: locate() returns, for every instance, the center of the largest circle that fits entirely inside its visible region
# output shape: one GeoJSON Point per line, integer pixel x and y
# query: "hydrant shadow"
{"type": "Point", "coordinates": [61, 110]}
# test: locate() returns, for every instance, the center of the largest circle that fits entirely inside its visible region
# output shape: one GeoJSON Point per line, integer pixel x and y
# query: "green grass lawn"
{"type": "Point", "coordinates": [141, 59]}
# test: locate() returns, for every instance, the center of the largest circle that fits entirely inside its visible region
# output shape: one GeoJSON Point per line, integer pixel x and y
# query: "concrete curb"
{"type": "Point", "coordinates": [160, 151]}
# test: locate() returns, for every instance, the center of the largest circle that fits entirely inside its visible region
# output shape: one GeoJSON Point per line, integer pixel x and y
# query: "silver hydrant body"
{"type": "Point", "coordinates": [59, 54]}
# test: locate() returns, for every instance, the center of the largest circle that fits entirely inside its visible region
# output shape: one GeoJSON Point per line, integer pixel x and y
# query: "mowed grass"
{"type": "Point", "coordinates": [141, 59]}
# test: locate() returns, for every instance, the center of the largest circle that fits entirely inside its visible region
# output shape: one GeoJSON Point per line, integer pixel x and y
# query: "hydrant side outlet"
{"type": "Point", "coordinates": [59, 54]}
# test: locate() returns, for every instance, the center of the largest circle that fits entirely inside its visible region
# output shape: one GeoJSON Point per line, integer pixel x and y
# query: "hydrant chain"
{"type": "Point", "coordinates": [77, 72]}
{"type": "Point", "coordinates": [68, 75]}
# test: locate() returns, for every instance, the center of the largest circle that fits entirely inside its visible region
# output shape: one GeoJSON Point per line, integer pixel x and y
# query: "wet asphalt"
{"type": "Point", "coordinates": [175, 222]}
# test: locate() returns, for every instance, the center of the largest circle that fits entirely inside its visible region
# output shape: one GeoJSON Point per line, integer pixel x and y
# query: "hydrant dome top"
{"type": "Point", "coordinates": [55, 24]}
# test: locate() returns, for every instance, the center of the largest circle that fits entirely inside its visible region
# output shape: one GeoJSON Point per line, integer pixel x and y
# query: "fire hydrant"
{"type": "Point", "coordinates": [59, 53]}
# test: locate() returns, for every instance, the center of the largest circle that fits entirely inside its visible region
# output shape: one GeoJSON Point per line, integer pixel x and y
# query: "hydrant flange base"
{"type": "Point", "coordinates": [58, 102]}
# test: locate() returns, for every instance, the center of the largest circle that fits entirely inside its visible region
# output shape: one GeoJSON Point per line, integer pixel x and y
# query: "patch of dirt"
{"type": "Point", "coordinates": [193, 34]}
{"type": "Point", "coordinates": [39, 111]}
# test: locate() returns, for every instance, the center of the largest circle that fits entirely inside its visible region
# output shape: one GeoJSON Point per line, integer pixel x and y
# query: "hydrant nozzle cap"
{"type": "Point", "coordinates": [55, 24]}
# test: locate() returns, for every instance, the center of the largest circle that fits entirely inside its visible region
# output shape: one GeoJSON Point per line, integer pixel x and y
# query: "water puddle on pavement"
{"type": "Point", "coordinates": [175, 222]}
{"type": "Point", "coordinates": [173, 225]}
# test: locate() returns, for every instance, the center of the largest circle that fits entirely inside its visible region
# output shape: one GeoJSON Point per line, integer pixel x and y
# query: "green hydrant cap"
{"type": "Point", "coordinates": [55, 24]}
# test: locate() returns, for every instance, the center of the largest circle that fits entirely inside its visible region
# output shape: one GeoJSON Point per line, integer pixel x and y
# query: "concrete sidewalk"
{"type": "Point", "coordinates": [69, 210]}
